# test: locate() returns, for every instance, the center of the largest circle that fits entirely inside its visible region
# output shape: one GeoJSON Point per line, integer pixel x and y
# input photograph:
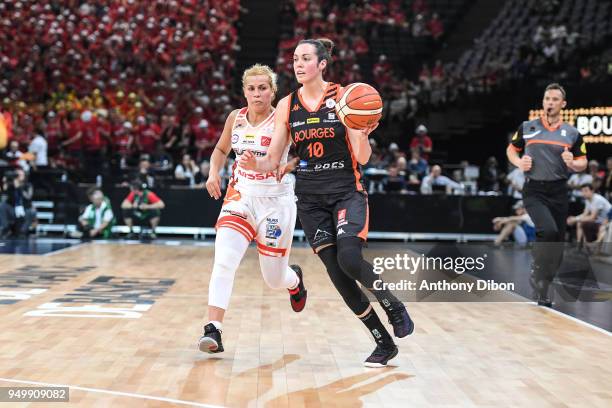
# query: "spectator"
{"type": "Point", "coordinates": [417, 165]}
{"type": "Point", "coordinates": [148, 134]}
{"type": "Point", "coordinates": [14, 156]}
{"type": "Point", "coordinates": [596, 175]}
{"type": "Point", "coordinates": [143, 207]}
{"type": "Point", "coordinates": [145, 173]}
{"type": "Point", "coordinates": [489, 176]}
{"type": "Point", "coordinates": [435, 27]}
{"type": "Point", "coordinates": [97, 220]}
{"type": "Point", "coordinates": [38, 148]}
{"type": "Point", "coordinates": [520, 226]}
{"type": "Point", "coordinates": [395, 182]}
{"type": "Point", "coordinates": [202, 175]}
{"type": "Point", "coordinates": [16, 212]}
{"type": "Point", "coordinates": [593, 218]}
{"type": "Point", "coordinates": [516, 182]}
{"type": "Point", "coordinates": [205, 138]}
{"type": "Point", "coordinates": [607, 183]}
{"type": "Point", "coordinates": [186, 170]}
{"type": "Point", "coordinates": [577, 180]}
{"type": "Point", "coordinates": [435, 178]}
{"type": "Point", "coordinates": [422, 142]}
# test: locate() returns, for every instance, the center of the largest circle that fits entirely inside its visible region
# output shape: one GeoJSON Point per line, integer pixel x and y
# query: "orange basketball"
{"type": "Point", "coordinates": [360, 106]}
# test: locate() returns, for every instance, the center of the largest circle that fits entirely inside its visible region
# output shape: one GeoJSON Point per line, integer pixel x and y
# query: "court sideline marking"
{"type": "Point", "coordinates": [120, 393]}
{"type": "Point", "coordinates": [582, 322]}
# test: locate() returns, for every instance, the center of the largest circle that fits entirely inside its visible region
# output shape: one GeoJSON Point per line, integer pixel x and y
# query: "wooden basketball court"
{"type": "Point", "coordinates": [119, 325]}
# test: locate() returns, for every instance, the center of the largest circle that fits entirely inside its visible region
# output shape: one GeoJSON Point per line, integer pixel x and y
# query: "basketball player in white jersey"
{"type": "Point", "coordinates": [257, 206]}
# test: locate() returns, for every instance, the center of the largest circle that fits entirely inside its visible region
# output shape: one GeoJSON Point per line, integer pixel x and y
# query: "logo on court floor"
{"type": "Point", "coordinates": [107, 297]}
{"type": "Point", "coordinates": [31, 280]}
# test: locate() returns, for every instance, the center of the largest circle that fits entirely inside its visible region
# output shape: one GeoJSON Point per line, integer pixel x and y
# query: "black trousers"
{"type": "Point", "coordinates": [547, 204]}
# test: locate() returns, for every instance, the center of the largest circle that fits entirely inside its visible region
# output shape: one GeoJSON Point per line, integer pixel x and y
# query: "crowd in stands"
{"type": "Point", "coordinates": [527, 39]}
{"type": "Point", "coordinates": [350, 24]}
{"type": "Point", "coordinates": [106, 82]}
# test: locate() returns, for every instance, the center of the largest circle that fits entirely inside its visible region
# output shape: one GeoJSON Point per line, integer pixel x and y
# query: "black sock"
{"type": "Point", "coordinates": [375, 326]}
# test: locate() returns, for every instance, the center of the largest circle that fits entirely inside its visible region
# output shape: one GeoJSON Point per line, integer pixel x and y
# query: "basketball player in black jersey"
{"type": "Point", "coordinates": [332, 204]}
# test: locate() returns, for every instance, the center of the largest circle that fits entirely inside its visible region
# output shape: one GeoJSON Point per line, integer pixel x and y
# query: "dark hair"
{"type": "Point", "coordinates": [138, 185]}
{"type": "Point", "coordinates": [587, 185]}
{"type": "Point", "coordinates": [323, 47]}
{"type": "Point", "coordinates": [555, 86]}
{"type": "Point", "coordinates": [92, 190]}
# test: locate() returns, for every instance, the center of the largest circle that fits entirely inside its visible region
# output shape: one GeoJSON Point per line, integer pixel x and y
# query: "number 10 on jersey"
{"type": "Point", "coordinates": [315, 149]}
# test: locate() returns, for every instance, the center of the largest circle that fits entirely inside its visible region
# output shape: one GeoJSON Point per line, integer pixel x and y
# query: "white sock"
{"type": "Point", "coordinates": [217, 324]}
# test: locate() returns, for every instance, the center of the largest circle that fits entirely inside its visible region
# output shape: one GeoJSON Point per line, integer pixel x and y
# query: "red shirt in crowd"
{"type": "Point", "coordinates": [148, 135]}
{"type": "Point", "coordinates": [53, 132]}
{"type": "Point", "coordinates": [151, 196]}
{"type": "Point", "coordinates": [422, 142]}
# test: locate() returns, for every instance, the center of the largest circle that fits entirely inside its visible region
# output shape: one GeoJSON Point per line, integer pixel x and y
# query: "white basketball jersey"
{"type": "Point", "coordinates": [257, 139]}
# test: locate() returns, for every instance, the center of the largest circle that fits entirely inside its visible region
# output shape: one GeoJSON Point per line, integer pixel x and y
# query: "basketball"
{"type": "Point", "coordinates": [360, 106]}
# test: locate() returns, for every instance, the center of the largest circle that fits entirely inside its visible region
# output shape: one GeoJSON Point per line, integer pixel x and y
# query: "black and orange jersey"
{"type": "Point", "coordinates": [327, 164]}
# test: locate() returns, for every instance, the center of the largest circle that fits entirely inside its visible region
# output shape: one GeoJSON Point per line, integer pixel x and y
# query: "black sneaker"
{"type": "Point", "coordinates": [297, 296]}
{"type": "Point", "coordinates": [544, 301]}
{"type": "Point", "coordinates": [400, 320]}
{"type": "Point", "coordinates": [381, 355]}
{"type": "Point", "coordinates": [210, 342]}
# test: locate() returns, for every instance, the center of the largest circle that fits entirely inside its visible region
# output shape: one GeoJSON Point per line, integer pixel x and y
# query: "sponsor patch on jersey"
{"type": "Point", "coordinates": [265, 140]}
{"type": "Point", "coordinates": [249, 139]}
{"type": "Point", "coordinates": [298, 123]}
{"type": "Point", "coordinates": [313, 120]}
{"type": "Point", "coordinates": [583, 148]}
{"type": "Point", "coordinates": [303, 164]}
{"type": "Point", "coordinates": [331, 116]}
{"type": "Point", "coordinates": [563, 132]}
{"type": "Point", "coordinates": [235, 138]}
{"type": "Point", "coordinates": [330, 103]}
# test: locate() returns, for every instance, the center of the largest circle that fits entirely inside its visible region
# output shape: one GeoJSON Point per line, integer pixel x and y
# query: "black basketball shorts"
{"type": "Point", "coordinates": [326, 218]}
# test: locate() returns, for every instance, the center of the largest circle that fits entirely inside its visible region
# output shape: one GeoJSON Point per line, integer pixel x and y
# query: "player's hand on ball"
{"type": "Point", "coordinates": [366, 132]}
{"type": "Point", "coordinates": [247, 160]}
{"type": "Point", "coordinates": [526, 163]}
{"type": "Point", "coordinates": [213, 185]}
{"type": "Point", "coordinates": [567, 157]}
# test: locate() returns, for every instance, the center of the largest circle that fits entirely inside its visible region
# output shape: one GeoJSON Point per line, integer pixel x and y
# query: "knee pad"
{"type": "Point", "coordinates": [276, 272]}
{"type": "Point", "coordinates": [350, 257]}
{"type": "Point", "coordinates": [352, 295]}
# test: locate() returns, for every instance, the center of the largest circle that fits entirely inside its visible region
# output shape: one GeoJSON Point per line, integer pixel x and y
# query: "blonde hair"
{"type": "Point", "coordinates": [259, 69]}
